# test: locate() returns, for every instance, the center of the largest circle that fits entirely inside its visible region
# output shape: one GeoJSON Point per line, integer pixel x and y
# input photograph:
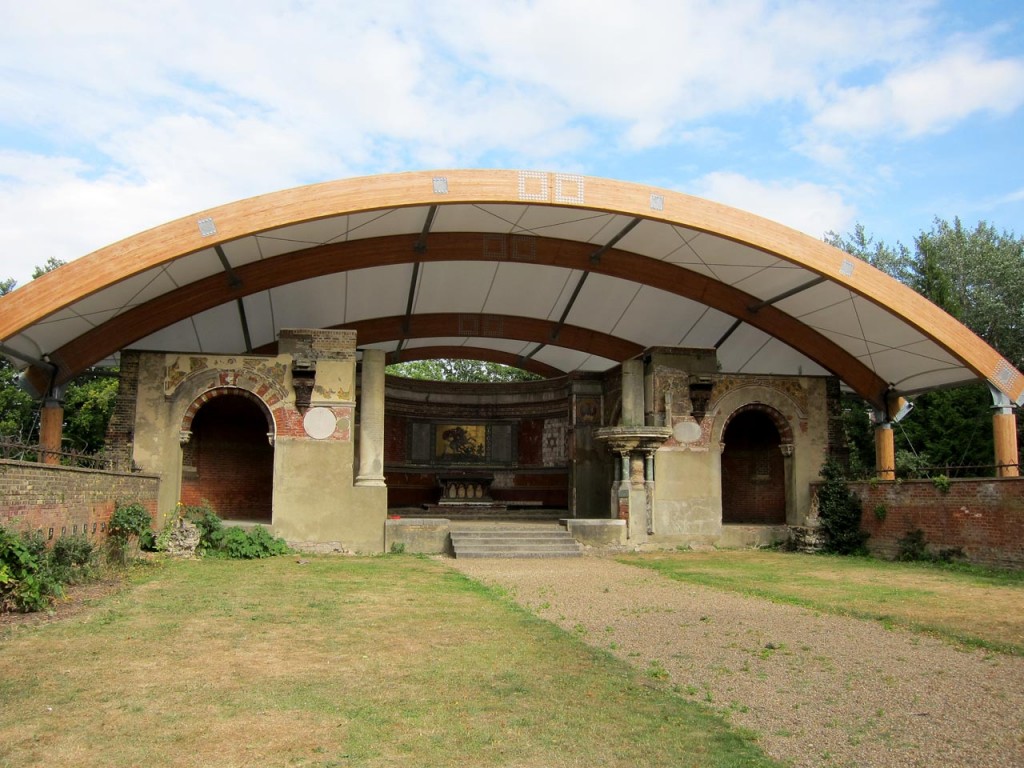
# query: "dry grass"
{"type": "Point", "coordinates": [970, 606]}
{"type": "Point", "coordinates": [336, 662]}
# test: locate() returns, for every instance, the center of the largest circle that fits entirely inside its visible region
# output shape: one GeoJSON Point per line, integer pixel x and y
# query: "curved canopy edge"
{"type": "Point", "coordinates": [676, 214]}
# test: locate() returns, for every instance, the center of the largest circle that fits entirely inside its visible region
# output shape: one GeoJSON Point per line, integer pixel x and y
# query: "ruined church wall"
{"type": "Point", "coordinates": [688, 467]}
{"type": "Point", "coordinates": [314, 496]}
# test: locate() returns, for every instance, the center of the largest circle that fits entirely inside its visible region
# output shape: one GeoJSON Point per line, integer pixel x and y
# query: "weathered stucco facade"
{"type": "Point", "coordinates": [306, 395]}
{"type": "Point", "coordinates": [672, 450]}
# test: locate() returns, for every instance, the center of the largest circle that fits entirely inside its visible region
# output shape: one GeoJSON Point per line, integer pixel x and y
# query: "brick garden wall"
{"type": "Point", "coordinates": [984, 517]}
{"type": "Point", "coordinates": [68, 500]}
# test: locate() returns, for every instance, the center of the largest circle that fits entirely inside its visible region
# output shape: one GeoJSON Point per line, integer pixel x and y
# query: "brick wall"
{"type": "Point", "coordinates": [121, 427]}
{"type": "Point", "coordinates": [395, 429]}
{"type": "Point", "coordinates": [229, 463]}
{"type": "Point", "coordinates": [984, 517]}
{"type": "Point", "coordinates": [68, 500]}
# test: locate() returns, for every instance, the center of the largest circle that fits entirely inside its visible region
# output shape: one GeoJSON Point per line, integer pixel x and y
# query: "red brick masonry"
{"type": "Point", "coordinates": [984, 517]}
{"type": "Point", "coordinates": [66, 499]}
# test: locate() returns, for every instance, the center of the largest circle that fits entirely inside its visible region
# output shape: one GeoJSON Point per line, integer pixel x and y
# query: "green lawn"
{"type": "Point", "coordinates": [337, 662]}
{"type": "Point", "coordinates": [971, 606]}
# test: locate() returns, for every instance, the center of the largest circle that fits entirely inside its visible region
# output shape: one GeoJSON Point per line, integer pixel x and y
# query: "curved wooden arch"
{"type": "Point", "coordinates": [161, 245]}
{"type": "Point", "coordinates": [399, 249]}
{"type": "Point", "coordinates": [446, 324]}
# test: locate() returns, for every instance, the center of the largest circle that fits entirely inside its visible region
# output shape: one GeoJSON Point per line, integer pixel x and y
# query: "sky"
{"type": "Point", "coordinates": [120, 116]}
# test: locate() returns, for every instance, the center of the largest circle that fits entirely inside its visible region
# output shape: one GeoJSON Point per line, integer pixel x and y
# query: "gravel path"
{"type": "Point", "coordinates": [820, 690]}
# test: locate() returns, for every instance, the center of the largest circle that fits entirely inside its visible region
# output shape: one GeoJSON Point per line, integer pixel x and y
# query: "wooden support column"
{"type": "Point", "coordinates": [51, 430]}
{"type": "Point", "coordinates": [1004, 430]}
{"type": "Point", "coordinates": [885, 451]}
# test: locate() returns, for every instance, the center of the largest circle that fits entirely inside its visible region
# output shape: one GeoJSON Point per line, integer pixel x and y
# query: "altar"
{"type": "Point", "coordinates": [465, 488]}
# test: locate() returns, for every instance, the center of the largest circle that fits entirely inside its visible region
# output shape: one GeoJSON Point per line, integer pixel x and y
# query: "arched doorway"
{"type": "Point", "coordinates": [753, 471]}
{"type": "Point", "coordinates": [228, 461]}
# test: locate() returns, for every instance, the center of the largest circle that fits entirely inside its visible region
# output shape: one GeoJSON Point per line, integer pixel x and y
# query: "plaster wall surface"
{"type": "Point", "coordinates": [315, 499]}
{"type": "Point", "coordinates": [688, 496]}
{"type": "Point", "coordinates": [156, 446]}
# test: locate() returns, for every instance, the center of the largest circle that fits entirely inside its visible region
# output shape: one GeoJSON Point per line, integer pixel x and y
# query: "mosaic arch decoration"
{"type": "Point", "coordinates": [557, 271]}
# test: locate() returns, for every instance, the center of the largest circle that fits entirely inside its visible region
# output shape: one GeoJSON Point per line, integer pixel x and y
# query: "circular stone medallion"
{"type": "Point", "coordinates": [686, 432]}
{"type": "Point", "coordinates": [319, 423]}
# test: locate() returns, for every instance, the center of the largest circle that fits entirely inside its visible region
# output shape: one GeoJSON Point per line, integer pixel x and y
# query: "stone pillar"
{"type": "Point", "coordinates": [51, 430]}
{"type": "Point", "coordinates": [649, 490]}
{"type": "Point", "coordinates": [621, 509]}
{"type": "Point", "coordinates": [885, 450]}
{"type": "Point", "coordinates": [633, 393]}
{"type": "Point", "coordinates": [371, 419]}
{"type": "Point", "coordinates": [790, 483]}
{"type": "Point", "coordinates": [1004, 430]}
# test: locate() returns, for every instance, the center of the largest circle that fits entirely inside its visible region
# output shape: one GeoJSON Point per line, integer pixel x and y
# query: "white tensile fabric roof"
{"type": "Point", "coordinates": [554, 272]}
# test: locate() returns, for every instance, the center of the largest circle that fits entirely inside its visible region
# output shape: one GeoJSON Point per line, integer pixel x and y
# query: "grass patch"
{"type": "Point", "coordinates": [972, 606]}
{"type": "Point", "coordinates": [336, 662]}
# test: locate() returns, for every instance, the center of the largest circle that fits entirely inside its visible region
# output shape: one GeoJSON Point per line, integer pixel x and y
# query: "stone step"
{"type": "Point", "coordinates": [521, 533]}
{"type": "Point", "coordinates": [514, 542]}
{"type": "Point", "coordinates": [467, 555]}
{"type": "Point", "coordinates": [470, 514]}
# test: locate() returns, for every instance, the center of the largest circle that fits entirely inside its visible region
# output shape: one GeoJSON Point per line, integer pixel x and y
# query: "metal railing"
{"type": "Point", "coordinates": [18, 451]}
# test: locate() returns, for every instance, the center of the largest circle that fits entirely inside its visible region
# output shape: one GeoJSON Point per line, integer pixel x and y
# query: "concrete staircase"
{"type": "Point", "coordinates": [538, 541]}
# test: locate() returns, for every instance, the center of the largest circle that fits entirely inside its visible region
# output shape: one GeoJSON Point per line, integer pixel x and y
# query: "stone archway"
{"type": "Point", "coordinates": [227, 458]}
{"type": "Point", "coordinates": [754, 476]}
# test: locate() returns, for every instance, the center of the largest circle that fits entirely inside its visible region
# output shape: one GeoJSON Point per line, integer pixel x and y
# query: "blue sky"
{"type": "Point", "coordinates": [119, 116]}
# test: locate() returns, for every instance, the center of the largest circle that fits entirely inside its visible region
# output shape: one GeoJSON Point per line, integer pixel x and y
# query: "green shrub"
{"type": "Point", "coordinates": [209, 525]}
{"type": "Point", "coordinates": [913, 547]}
{"type": "Point", "coordinates": [26, 582]}
{"type": "Point", "coordinates": [237, 543]}
{"type": "Point", "coordinates": [72, 559]}
{"type": "Point", "coordinates": [839, 513]}
{"type": "Point", "coordinates": [234, 542]}
{"type": "Point", "coordinates": [129, 523]}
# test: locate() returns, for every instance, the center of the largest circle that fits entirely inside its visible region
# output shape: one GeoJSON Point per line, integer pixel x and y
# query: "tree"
{"type": "Point", "coordinates": [839, 513]}
{"type": "Point", "coordinates": [88, 400]}
{"type": "Point", "coordinates": [978, 277]}
{"type": "Point", "coordinates": [896, 261]}
{"type": "Point", "coordinates": [51, 264]}
{"type": "Point", "coordinates": [17, 411]}
{"type": "Point", "coordinates": [466, 371]}
{"type": "Point", "coordinates": [88, 404]}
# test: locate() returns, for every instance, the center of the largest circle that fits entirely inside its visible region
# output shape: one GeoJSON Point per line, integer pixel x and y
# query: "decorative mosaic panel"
{"type": "Point", "coordinates": [553, 449]}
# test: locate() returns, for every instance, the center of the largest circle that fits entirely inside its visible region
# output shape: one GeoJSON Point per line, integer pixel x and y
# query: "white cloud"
{"type": "Point", "coordinates": [810, 208]}
{"type": "Point", "coordinates": [655, 63]}
{"type": "Point", "coordinates": [929, 97]}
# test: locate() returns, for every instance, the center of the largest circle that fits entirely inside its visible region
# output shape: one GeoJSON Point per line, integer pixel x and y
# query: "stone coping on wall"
{"type": "Point", "coordinates": [83, 470]}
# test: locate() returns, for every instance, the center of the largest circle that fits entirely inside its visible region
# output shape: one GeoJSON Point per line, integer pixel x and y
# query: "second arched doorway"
{"type": "Point", "coordinates": [753, 470]}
